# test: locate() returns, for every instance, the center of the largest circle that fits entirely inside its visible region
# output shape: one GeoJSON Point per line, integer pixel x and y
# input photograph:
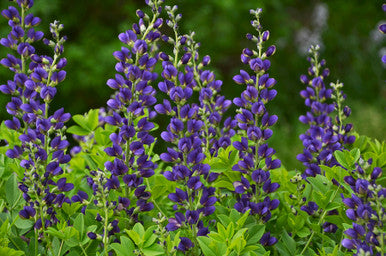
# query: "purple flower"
{"type": "Point", "coordinates": [324, 136]}
{"type": "Point", "coordinates": [63, 186]}
{"type": "Point", "coordinates": [185, 244]}
{"type": "Point", "coordinates": [43, 148]}
{"type": "Point", "coordinates": [130, 112]}
{"type": "Point", "coordinates": [268, 240]}
{"type": "Point", "coordinates": [253, 120]}
{"type": "Point", "coordinates": [27, 212]}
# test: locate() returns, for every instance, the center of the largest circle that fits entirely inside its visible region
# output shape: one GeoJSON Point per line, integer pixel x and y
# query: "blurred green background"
{"type": "Point", "coordinates": [346, 30]}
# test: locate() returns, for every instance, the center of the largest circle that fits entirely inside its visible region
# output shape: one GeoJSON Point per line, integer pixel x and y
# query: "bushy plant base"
{"type": "Point", "coordinates": [217, 189]}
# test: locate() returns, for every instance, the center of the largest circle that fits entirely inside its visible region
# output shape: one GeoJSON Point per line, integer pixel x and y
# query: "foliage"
{"type": "Point", "coordinates": [217, 189]}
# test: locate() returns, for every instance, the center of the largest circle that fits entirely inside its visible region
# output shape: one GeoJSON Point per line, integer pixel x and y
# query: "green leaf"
{"type": "Point", "coordinates": [90, 161]}
{"type": "Point", "coordinates": [9, 135]}
{"type": "Point", "coordinates": [241, 221]}
{"type": "Point", "coordinates": [24, 224]}
{"type": "Point", "coordinates": [126, 247]}
{"type": "Point", "coordinates": [56, 246]}
{"type": "Point", "coordinates": [224, 184]}
{"type": "Point", "coordinates": [254, 234]}
{"type": "Point", "coordinates": [304, 232]}
{"type": "Point", "coordinates": [315, 227]}
{"type": "Point", "coordinates": [217, 237]}
{"type": "Point", "coordinates": [240, 233]}
{"type": "Point", "coordinates": [149, 237]}
{"type": "Point", "coordinates": [2, 165]}
{"type": "Point", "coordinates": [92, 119]}
{"type": "Point", "coordinates": [171, 243]}
{"type": "Point", "coordinates": [238, 243]}
{"type": "Point", "coordinates": [234, 215]}
{"type": "Point", "coordinates": [4, 228]}
{"type": "Point", "coordinates": [69, 232]}
{"type": "Point", "coordinates": [102, 137]}
{"type": "Point", "coordinates": [79, 225]}
{"type": "Point", "coordinates": [204, 245]}
{"type": "Point", "coordinates": [335, 172]}
{"type": "Point", "coordinates": [320, 183]}
{"type": "Point", "coordinates": [155, 249]}
{"type": "Point", "coordinates": [381, 161]}
{"type": "Point", "coordinates": [225, 220]}
{"type": "Point", "coordinates": [53, 232]}
{"type": "Point", "coordinates": [77, 130]}
{"type": "Point", "coordinates": [289, 242]}
{"type": "Point", "coordinates": [219, 167]}
{"type": "Point", "coordinates": [81, 121]}
{"type": "Point", "coordinates": [10, 252]}
{"type": "Point", "coordinates": [135, 237]}
{"type": "Point", "coordinates": [139, 229]}
{"type": "Point", "coordinates": [70, 209]}
{"type": "Point", "coordinates": [361, 142]}
{"type": "Point", "coordinates": [220, 248]}
{"type": "Point", "coordinates": [344, 158]}
{"type": "Point", "coordinates": [222, 232]}
{"type": "Point", "coordinates": [355, 153]}
{"type": "Point", "coordinates": [230, 230]}
{"type": "Point", "coordinates": [251, 248]}
{"type": "Point", "coordinates": [12, 192]}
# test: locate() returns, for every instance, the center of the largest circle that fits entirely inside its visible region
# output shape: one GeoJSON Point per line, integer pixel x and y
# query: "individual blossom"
{"type": "Point", "coordinates": [254, 122]}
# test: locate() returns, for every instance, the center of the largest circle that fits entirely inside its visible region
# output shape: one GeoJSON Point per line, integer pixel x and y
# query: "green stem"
{"type": "Point", "coordinates": [338, 102]}
{"type": "Point", "coordinates": [340, 243]}
{"type": "Point", "coordinates": [83, 250]}
{"type": "Point", "coordinates": [51, 70]}
{"type": "Point", "coordinates": [259, 46]}
{"type": "Point", "coordinates": [60, 249]}
{"type": "Point", "coordinates": [22, 40]}
{"type": "Point", "coordinates": [36, 241]}
{"type": "Point", "coordinates": [106, 223]}
{"type": "Point", "coordinates": [197, 78]}
{"type": "Point", "coordinates": [151, 23]}
{"type": "Point", "coordinates": [154, 201]}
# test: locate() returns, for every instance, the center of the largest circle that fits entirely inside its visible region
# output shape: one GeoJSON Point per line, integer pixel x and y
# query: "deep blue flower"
{"type": "Point", "coordinates": [268, 240]}
{"type": "Point", "coordinates": [43, 148]}
{"type": "Point", "coordinates": [130, 112]}
{"type": "Point", "coordinates": [185, 244]}
{"type": "Point", "coordinates": [254, 124]}
{"type": "Point", "coordinates": [325, 134]}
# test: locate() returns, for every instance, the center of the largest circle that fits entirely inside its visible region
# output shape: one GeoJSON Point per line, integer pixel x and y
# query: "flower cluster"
{"type": "Point", "coordinates": [324, 135]}
{"type": "Point", "coordinates": [42, 148]}
{"type": "Point", "coordinates": [188, 134]}
{"type": "Point", "coordinates": [253, 120]}
{"type": "Point", "coordinates": [129, 106]}
{"type": "Point", "coordinates": [212, 105]}
{"type": "Point", "coordinates": [365, 209]}
{"type": "Point", "coordinates": [115, 163]}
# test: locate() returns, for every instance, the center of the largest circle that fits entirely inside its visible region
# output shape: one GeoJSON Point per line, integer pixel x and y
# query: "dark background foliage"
{"type": "Point", "coordinates": [346, 30]}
